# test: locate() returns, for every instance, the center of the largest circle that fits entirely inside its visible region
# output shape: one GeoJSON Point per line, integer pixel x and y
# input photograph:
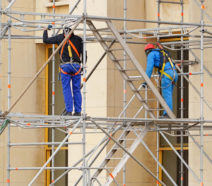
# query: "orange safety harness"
{"type": "Point", "coordinates": [72, 45]}
{"type": "Point", "coordinates": [61, 70]}
{"type": "Point", "coordinates": [70, 53]}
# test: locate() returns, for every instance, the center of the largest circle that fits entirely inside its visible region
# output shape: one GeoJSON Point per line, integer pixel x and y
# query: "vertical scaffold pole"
{"type": "Point", "coordinates": [53, 95]}
{"type": "Point", "coordinates": [158, 105]}
{"type": "Point", "coordinates": [124, 83]}
{"type": "Point", "coordinates": [0, 44]}
{"type": "Point", "coordinates": [158, 15]}
{"type": "Point", "coordinates": [9, 99]}
{"type": "Point", "coordinates": [158, 144]}
{"type": "Point", "coordinates": [181, 99]}
{"type": "Point", "coordinates": [201, 90]}
{"type": "Point", "coordinates": [84, 97]}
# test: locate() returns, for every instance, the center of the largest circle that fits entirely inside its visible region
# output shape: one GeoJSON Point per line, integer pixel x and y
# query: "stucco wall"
{"type": "Point", "coordinates": [194, 104]}
{"type": "Point", "coordinates": [24, 64]}
{"type": "Point", "coordinates": [104, 89]}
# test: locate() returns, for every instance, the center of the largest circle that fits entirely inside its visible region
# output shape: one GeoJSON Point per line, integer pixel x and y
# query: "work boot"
{"type": "Point", "coordinates": [77, 114]}
{"type": "Point", "coordinates": [165, 116]}
{"type": "Point", "coordinates": [65, 113]}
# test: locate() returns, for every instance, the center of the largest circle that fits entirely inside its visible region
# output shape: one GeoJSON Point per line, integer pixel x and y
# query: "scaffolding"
{"type": "Point", "coordinates": [120, 130]}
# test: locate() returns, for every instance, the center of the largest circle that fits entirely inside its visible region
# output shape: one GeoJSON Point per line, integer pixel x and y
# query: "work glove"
{"type": "Point", "coordinates": [144, 85]}
{"type": "Point", "coordinates": [49, 27]}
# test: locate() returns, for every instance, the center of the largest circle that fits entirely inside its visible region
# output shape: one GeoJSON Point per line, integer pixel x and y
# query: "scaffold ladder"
{"type": "Point", "coordinates": [122, 160]}
{"type": "Point", "coordinates": [135, 68]}
{"type": "Point", "coordinates": [115, 149]}
{"type": "Point", "coordinates": [125, 158]}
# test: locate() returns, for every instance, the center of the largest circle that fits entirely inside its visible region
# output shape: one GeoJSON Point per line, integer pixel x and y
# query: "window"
{"type": "Point", "coordinates": [62, 155]}
{"type": "Point", "coordinates": [168, 157]}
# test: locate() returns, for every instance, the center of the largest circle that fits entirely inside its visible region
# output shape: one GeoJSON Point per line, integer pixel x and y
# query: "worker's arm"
{"type": "Point", "coordinates": [50, 40]}
{"type": "Point", "coordinates": [150, 64]}
{"type": "Point", "coordinates": [149, 67]}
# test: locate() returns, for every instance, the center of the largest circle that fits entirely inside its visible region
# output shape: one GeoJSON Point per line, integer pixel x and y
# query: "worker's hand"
{"type": "Point", "coordinates": [49, 27]}
{"type": "Point", "coordinates": [144, 85]}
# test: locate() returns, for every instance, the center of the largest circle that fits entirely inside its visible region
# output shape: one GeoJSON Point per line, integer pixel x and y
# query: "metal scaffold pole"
{"type": "Point", "coordinates": [158, 145]}
{"type": "Point", "coordinates": [124, 81]}
{"type": "Point", "coordinates": [9, 98]}
{"type": "Point", "coordinates": [85, 171]}
{"type": "Point", "coordinates": [182, 98]}
{"type": "Point", "coordinates": [158, 15]}
{"type": "Point", "coordinates": [109, 127]}
{"type": "Point", "coordinates": [53, 97]}
{"type": "Point", "coordinates": [0, 49]}
{"type": "Point", "coordinates": [202, 90]}
{"type": "Point", "coordinates": [158, 106]}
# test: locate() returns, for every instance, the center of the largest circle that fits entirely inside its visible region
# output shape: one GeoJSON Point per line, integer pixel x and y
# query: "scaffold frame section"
{"type": "Point", "coordinates": [109, 126]}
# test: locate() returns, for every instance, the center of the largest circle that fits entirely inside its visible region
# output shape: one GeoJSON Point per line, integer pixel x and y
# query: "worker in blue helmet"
{"type": "Point", "coordinates": [161, 60]}
{"type": "Point", "coordinates": [70, 68]}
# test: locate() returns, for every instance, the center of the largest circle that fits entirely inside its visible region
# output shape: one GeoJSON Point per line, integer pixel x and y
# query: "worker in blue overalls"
{"type": "Point", "coordinates": [161, 60]}
{"type": "Point", "coordinates": [70, 68]}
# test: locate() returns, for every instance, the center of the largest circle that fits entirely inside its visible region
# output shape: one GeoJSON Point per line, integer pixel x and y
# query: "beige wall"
{"type": "Point", "coordinates": [24, 64]}
{"type": "Point", "coordinates": [168, 12]}
{"type": "Point", "coordinates": [194, 106]}
{"type": "Point", "coordinates": [23, 69]}
{"type": "Point", "coordinates": [104, 90]}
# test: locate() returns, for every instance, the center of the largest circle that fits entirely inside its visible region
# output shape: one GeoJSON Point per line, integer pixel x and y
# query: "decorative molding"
{"type": "Point", "coordinates": [61, 3]}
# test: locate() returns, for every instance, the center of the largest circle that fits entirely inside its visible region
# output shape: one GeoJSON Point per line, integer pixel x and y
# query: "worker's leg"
{"type": "Point", "coordinates": [66, 78]}
{"type": "Point", "coordinates": [167, 90]}
{"type": "Point", "coordinates": [76, 83]}
{"type": "Point", "coordinates": [167, 87]}
{"type": "Point", "coordinates": [175, 77]}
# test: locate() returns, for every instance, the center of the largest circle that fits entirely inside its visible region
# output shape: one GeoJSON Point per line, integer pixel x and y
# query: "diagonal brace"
{"type": "Point", "coordinates": [124, 149]}
{"type": "Point", "coordinates": [41, 69]}
{"type": "Point", "coordinates": [55, 152]}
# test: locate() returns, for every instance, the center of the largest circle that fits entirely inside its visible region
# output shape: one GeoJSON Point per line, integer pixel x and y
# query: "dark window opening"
{"type": "Point", "coordinates": [169, 159]}
{"type": "Point", "coordinates": [61, 159]}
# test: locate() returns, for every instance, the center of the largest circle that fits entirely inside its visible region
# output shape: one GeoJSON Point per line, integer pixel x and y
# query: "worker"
{"type": "Point", "coordinates": [70, 68]}
{"type": "Point", "coordinates": [161, 60]}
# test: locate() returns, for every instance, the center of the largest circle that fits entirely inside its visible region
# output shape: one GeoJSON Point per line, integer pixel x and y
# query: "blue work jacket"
{"type": "Point", "coordinates": [153, 60]}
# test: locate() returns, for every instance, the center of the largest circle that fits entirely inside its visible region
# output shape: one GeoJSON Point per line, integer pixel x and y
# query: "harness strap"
{"type": "Point", "coordinates": [62, 71]}
{"type": "Point", "coordinates": [167, 75]}
{"type": "Point", "coordinates": [74, 48]}
{"type": "Point", "coordinates": [163, 66]}
{"type": "Point", "coordinates": [69, 49]}
{"type": "Point", "coordinates": [61, 53]}
{"type": "Point", "coordinates": [76, 73]}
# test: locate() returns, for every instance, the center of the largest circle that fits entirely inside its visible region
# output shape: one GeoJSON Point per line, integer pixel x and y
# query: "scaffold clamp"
{"type": "Point", "coordinates": [4, 125]}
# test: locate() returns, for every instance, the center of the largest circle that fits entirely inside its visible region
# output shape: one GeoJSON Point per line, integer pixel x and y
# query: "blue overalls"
{"type": "Point", "coordinates": [167, 78]}
{"type": "Point", "coordinates": [73, 95]}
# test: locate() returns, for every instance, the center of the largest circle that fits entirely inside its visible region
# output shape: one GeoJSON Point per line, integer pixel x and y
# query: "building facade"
{"type": "Point", "coordinates": [21, 58]}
